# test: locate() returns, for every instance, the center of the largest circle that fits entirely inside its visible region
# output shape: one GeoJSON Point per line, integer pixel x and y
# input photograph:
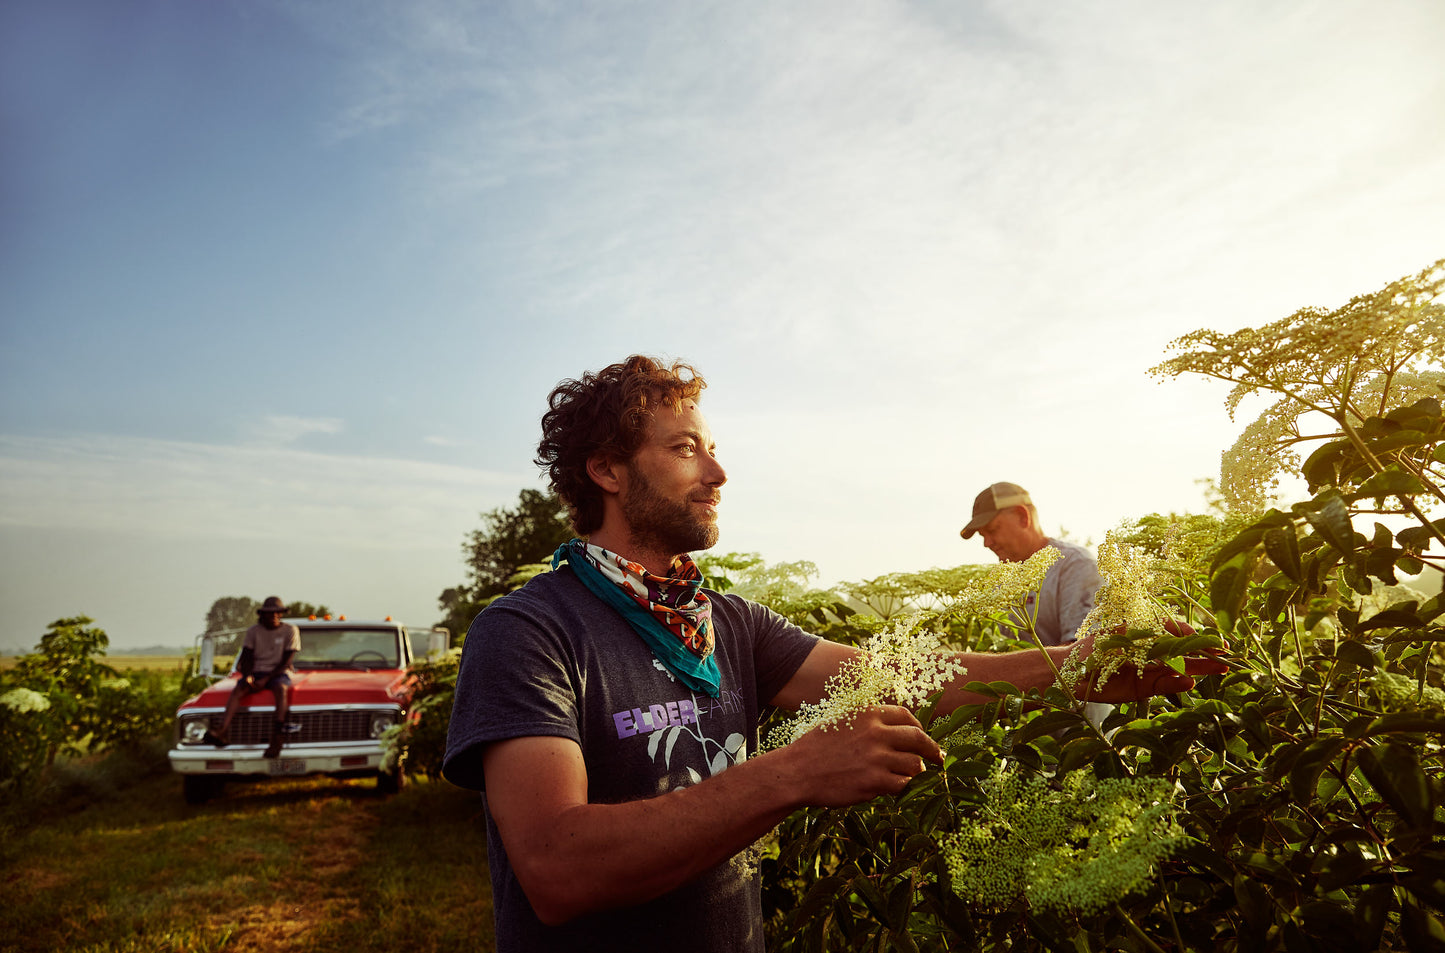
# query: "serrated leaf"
{"type": "Point", "coordinates": [1330, 516]}
{"type": "Point", "coordinates": [1281, 545]}
{"type": "Point", "coordinates": [1391, 482]}
{"type": "Point", "coordinates": [1414, 538]}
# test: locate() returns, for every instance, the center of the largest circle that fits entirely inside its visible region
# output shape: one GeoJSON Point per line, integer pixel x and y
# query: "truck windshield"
{"type": "Point", "coordinates": [362, 648]}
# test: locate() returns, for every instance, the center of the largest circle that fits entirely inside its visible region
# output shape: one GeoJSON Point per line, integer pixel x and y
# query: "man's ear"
{"type": "Point", "coordinates": [605, 472]}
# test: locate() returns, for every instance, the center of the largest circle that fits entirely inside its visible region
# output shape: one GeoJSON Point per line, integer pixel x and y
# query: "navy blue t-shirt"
{"type": "Point", "coordinates": [552, 659]}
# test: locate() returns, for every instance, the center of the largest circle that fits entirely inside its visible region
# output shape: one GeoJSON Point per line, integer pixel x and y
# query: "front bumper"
{"type": "Point", "coordinates": [335, 758]}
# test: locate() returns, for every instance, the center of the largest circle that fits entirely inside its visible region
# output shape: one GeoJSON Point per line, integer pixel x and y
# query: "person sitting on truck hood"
{"type": "Point", "coordinates": [266, 654]}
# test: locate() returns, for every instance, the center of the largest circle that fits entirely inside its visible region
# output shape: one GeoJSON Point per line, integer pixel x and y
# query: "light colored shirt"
{"type": "Point", "coordinates": [269, 646]}
{"type": "Point", "coordinates": [1066, 596]}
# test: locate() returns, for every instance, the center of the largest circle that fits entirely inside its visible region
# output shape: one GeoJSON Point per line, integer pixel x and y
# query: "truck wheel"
{"type": "Point", "coordinates": [390, 782]}
{"type": "Point", "coordinates": [200, 788]}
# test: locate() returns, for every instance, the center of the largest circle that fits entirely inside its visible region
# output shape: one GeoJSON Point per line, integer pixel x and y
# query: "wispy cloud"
{"type": "Point", "coordinates": [862, 185]}
{"type": "Point", "coordinates": [177, 490]}
{"type": "Point", "coordinates": [279, 430]}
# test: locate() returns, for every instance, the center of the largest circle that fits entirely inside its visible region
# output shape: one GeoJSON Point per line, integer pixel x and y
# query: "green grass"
{"type": "Point", "coordinates": [124, 663]}
{"type": "Point", "coordinates": [308, 864]}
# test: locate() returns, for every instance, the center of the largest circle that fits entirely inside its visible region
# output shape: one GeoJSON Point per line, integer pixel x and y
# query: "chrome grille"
{"type": "Point", "coordinates": [317, 727]}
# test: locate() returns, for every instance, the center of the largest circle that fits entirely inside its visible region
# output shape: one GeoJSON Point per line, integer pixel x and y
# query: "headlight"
{"type": "Point", "coordinates": [381, 721]}
{"type": "Point", "coordinates": [193, 730]}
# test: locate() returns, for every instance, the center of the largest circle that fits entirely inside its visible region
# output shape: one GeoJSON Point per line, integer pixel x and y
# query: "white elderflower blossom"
{"type": "Point", "coordinates": [902, 665]}
{"type": "Point", "coordinates": [1077, 847]}
{"type": "Point", "coordinates": [1129, 597]}
{"type": "Point", "coordinates": [24, 699]}
{"type": "Point", "coordinates": [1378, 352]}
{"type": "Point", "coordinates": [1003, 588]}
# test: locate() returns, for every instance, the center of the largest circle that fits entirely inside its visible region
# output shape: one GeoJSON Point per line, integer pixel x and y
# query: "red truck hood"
{"type": "Point", "coordinates": [320, 687]}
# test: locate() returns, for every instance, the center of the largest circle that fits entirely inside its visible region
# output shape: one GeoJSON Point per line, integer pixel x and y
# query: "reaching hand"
{"type": "Point", "coordinates": [879, 752]}
{"type": "Point", "coordinates": [1155, 678]}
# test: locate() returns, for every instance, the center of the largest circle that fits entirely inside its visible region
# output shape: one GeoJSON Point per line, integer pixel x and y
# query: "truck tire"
{"type": "Point", "coordinates": [200, 788]}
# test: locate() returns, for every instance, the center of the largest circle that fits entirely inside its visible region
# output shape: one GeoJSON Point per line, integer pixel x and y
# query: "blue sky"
{"type": "Point", "coordinates": [283, 285]}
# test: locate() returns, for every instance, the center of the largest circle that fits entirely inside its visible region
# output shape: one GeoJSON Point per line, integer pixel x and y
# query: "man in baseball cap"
{"type": "Point", "coordinates": [1004, 514]}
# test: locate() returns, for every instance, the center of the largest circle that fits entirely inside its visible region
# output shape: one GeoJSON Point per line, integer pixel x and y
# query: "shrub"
{"type": "Point", "coordinates": [1294, 803]}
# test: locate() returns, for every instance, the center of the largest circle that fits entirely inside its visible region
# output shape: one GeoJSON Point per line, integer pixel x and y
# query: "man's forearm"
{"type": "Point", "coordinates": [1024, 668]}
{"type": "Point", "coordinates": [601, 856]}
{"type": "Point", "coordinates": [573, 857]}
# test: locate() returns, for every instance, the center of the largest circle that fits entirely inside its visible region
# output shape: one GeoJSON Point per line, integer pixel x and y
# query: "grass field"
{"type": "Point", "coordinates": [124, 663]}
{"type": "Point", "coordinates": [310, 864]}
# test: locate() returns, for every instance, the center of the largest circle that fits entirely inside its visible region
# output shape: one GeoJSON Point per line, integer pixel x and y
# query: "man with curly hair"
{"type": "Point", "coordinates": [609, 709]}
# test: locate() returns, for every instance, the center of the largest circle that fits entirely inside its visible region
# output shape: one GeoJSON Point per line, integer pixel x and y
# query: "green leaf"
{"type": "Point", "coordinates": [1392, 481]}
{"type": "Point", "coordinates": [1078, 753]}
{"type": "Point", "coordinates": [1391, 619]}
{"type": "Point", "coordinates": [1249, 538]}
{"type": "Point", "coordinates": [1425, 883]}
{"type": "Point", "coordinates": [1230, 587]}
{"type": "Point", "coordinates": [1330, 516]}
{"type": "Point", "coordinates": [1320, 468]}
{"type": "Point", "coordinates": [1254, 903]}
{"type": "Point", "coordinates": [1394, 772]}
{"type": "Point", "coordinates": [1281, 545]}
{"type": "Point", "coordinates": [1174, 646]}
{"type": "Point", "coordinates": [1305, 775]}
{"type": "Point", "coordinates": [1047, 724]}
{"type": "Point", "coordinates": [1414, 538]}
{"type": "Point", "coordinates": [1356, 655]}
{"type": "Point", "coordinates": [1420, 928]}
{"type": "Point", "coordinates": [1406, 722]}
{"type": "Point", "coordinates": [1372, 912]}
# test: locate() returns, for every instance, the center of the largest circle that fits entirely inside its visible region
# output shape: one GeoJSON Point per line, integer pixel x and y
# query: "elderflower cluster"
{"type": "Point", "coordinates": [1249, 471]}
{"type": "Point", "coordinates": [1078, 846]}
{"type": "Point", "coordinates": [901, 665]}
{"type": "Point", "coordinates": [1377, 352]}
{"type": "Point", "coordinates": [24, 699]}
{"type": "Point", "coordinates": [1002, 589]}
{"type": "Point", "coordinates": [1133, 580]}
{"type": "Point", "coordinates": [1401, 693]}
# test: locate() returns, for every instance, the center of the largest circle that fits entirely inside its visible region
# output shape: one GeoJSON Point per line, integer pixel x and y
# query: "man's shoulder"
{"type": "Point", "coordinates": [554, 587]}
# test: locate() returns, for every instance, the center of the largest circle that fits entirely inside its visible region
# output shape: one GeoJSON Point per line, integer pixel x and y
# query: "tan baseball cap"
{"type": "Point", "coordinates": [987, 504]}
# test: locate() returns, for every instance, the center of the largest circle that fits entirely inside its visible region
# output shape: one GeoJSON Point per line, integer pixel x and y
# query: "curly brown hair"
{"type": "Point", "coordinates": [608, 413]}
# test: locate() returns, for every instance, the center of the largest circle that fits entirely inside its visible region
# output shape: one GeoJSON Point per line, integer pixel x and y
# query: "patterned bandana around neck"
{"type": "Point", "coordinates": [671, 613]}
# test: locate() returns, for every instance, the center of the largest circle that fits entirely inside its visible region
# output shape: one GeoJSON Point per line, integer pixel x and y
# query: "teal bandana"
{"type": "Point", "coordinates": [671, 613]}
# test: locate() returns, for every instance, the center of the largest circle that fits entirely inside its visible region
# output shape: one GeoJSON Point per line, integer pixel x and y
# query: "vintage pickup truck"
{"type": "Point", "coordinates": [349, 685]}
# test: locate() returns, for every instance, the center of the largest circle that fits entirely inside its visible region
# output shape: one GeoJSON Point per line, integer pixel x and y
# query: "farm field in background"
{"type": "Point", "coordinates": [125, 663]}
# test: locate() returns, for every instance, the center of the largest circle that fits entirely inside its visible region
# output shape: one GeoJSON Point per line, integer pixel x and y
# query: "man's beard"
{"type": "Point", "coordinates": [668, 526]}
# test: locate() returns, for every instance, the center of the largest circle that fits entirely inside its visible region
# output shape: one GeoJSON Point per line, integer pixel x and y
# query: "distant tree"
{"type": "Point", "coordinates": [301, 610]}
{"type": "Point", "coordinates": [509, 540]}
{"type": "Point", "coordinates": [231, 612]}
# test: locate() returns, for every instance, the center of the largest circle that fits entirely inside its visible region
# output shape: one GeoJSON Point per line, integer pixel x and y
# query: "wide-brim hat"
{"type": "Point", "coordinates": [272, 604]}
{"type": "Point", "coordinates": [991, 502]}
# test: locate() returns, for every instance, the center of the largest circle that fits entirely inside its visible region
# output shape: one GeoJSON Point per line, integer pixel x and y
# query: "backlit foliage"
{"type": "Point", "coordinates": [1339, 366]}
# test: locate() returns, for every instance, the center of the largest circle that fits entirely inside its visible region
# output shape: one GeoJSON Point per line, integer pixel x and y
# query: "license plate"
{"type": "Point", "coordinates": [288, 766]}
